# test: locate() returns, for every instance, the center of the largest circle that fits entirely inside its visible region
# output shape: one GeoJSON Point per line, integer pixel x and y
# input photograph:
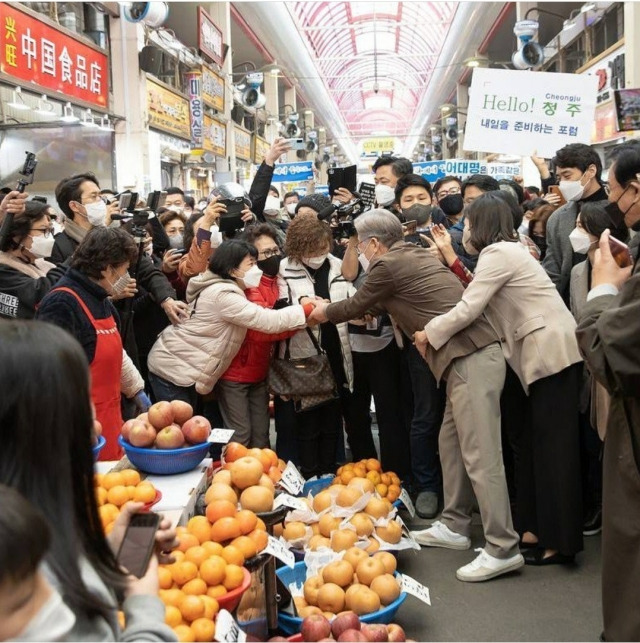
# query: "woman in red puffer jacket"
{"type": "Point", "coordinates": [242, 391]}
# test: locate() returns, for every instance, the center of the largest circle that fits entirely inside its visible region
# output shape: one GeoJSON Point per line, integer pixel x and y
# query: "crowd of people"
{"type": "Point", "coordinates": [493, 327]}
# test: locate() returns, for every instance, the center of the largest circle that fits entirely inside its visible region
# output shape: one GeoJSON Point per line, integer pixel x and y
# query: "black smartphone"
{"type": "Point", "coordinates": [620, 252]}
{"type": "Point", "coordinates": [232, 219]}
{"type": "Point", "coordinates": [410, 227]}
{"type": "Point", "coordinates": [342, 177]}
{"type": "Point", "coordinates": [127, 201]}
{"type": "Point", "coordinates": [138, 542]}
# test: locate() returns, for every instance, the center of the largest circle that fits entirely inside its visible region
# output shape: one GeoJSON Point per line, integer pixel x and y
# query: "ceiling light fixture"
{"type": "Point", "coordinates": [477, 61]}
{"type": "Point", "coordinates": [17, 100]}
{"type": "Point", "coordinates": [68, 115]}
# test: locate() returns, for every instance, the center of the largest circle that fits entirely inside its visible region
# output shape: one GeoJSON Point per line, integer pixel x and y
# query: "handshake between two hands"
{"type": "Point", "coordinates": [317, 315]}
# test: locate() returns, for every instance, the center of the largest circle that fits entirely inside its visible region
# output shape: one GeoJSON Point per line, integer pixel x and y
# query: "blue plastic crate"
{"type": "Point", "coordinates": [165, 461]}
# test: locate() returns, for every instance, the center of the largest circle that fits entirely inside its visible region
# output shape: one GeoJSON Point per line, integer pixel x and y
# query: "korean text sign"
{"type": "Point", "coordinates": [33, 51]}
{"type": "Point", "coordinates": [434, 170]}
{"type": "Point", "coordinates": [167, 110]}
{"type": "Point", "coordinates": [293, 172]}
{"type": "Point", "coordinates": [520, 112]}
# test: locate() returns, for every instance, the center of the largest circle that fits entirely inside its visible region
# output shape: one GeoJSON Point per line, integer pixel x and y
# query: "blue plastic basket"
{"type": "Point", "coordinates": [316, 486]}
{"type": "Point", "coordinates": [165, 461]}
{"type": "Point", "coordinates": [98, 447]}
{"type": "Point", "coordinates": [292, 624]}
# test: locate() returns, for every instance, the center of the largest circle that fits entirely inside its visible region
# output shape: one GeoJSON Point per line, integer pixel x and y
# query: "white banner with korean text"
{"type": "Point", "coordinates": [522, 112]}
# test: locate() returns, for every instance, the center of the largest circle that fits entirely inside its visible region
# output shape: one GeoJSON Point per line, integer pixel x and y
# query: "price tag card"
{"type": "Point", "coordinates": [279, 551]}
{"type": "Point", "coordinates": [285, 500]}
{"type": "Point", "coordinates": [221, 436]}
{"type": "Point", "coordinates": [405, 499]}
{"type": "Point", "coordinates": [227, 630]}
{"type": "Point", "coordinates": [292, 479]}
{"type": "Point", "coordinates": [413, 587]}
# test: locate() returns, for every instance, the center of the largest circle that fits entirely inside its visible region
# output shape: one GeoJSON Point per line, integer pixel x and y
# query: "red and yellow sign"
{"type": "Point", "coordinates": [37, 53]}
{"type": "Point", "coordinates": [167, 110]}
{"type": "Point", "coordinates": [215, 136]}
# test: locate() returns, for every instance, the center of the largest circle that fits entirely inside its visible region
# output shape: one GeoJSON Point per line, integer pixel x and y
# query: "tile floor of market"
{"type": "Point", "coordinates": [555, 603]}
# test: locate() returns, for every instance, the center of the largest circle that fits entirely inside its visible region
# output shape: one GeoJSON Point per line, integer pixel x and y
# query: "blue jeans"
{"type": "Point", "coordinates": [428, 411]}
{"type": "Point", "coordinates": [165, 390]}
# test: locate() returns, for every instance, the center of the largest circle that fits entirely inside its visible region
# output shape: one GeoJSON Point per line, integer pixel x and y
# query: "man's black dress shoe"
{"type": "Point", "coordinates": [536, 557]}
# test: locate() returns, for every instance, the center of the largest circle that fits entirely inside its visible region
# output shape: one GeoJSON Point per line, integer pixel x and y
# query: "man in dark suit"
{"type": "Point", "coordinates": [414, 287]}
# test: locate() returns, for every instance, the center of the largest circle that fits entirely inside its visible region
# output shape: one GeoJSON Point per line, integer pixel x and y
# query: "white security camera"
{"type": "Point", "coordinates": [251, 96]}
{"type": "Point", "coordinates": [529, 53]}
{"type": "Point", "coordinates": [152, 14]}
{"type": "Point", "coordinates": [291, 128]}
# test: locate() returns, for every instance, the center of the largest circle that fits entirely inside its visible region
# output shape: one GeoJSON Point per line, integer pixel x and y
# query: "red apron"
{"type": "Point", "coordinates": [106, 369]}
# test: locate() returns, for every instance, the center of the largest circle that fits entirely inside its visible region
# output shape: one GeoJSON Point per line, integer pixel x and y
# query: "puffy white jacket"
{"type": "Point", "coordinates": [299, 283]}
{"type": "Point", "coordinates": [199, 350]}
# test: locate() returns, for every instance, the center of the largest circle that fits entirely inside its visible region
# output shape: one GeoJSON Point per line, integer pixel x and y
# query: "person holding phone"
{"type": "Point", "coordinates": [51, 434]}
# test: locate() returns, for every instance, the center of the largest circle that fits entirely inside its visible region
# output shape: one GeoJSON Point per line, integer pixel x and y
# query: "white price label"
{"type": "Point", "coordinates": [227, 630]}
{"type": "Point", "coordinates": [285, 500]}
{"type": "Point", "coordinates": [405, 499]}
{"type": "Point", "coordinates": [291, 479]}
{"type": "Point", "coordinates": [279, 551]}
{"type": "Point", "coordinates": [413, 587]}
{"type": "Point", "coordinates": [221, 436]}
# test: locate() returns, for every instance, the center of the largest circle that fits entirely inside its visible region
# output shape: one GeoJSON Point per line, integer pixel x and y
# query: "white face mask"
{"type": "Point", "coordinates": [524, 228]}
{"type": "Point", "coordinates": [252, 277]}
{"type": "Point", "coordinates": [176, 241]}
{"type": "Point", "coordinates": [57, 228]}
{"type": "Point", "coordinates": [315, 262]}
{"type": "Point", "coordinates": [178, 209]}
{"type": "Point", "coordinates": [96, 213]}
{"type": "Point", "coordinates": [53, 622]}
{"type": "Point", "coordinates": [385, 194]}
{"type": "Point", "coordinates": [572, 190]}
{"type": "Point", "coordinates": [42, 247]}
{"type": "Point", "coordinates": [120, 284]}
{"type": "Point", "coordinates": [364, 262]}
{"type": "Point", "coordinates": [580, 241]}
{"type": "Point", "coordinates": [466, 243]}
{"type": "Point", "coordinates": [291, 208]}
{"type": "Point", "coordinates": [272, 204]}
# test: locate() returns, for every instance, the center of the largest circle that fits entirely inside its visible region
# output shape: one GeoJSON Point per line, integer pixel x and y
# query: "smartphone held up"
{"type": "Point", "coordinates": [138, 542]}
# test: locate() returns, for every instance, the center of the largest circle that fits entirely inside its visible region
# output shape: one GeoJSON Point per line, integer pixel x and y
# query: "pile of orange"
{"type": "Point", "coordinates": [203, 571]}
{"type": "Point", "coordinates": [116, 488]}
{"type": "Point", "coordinates": [386, 484]}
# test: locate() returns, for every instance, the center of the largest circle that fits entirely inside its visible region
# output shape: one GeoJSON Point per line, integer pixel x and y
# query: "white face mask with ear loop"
{"type": "Point", "coordinates": [53, 622]}
{"type": "Point", "coordinates": [41, 247]}
{"type": "Point", "coordinates": [96, 213]}
{"type": "Point", "coordinates": [252, 277]}
{"type": "Point", "coordinates": [580, 241]}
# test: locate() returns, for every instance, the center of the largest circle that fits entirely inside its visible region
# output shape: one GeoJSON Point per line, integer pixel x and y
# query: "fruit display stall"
{"type": "Point", "coordinates": [335, 540]}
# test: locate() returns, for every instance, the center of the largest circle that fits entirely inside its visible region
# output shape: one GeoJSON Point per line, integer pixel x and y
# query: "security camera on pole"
{"type": "Point", "coordinates": [529, 53]}
{"type": "Point", "coordinates": [152, 14]}
{"type": "Point", "coordinates": [252, 96]}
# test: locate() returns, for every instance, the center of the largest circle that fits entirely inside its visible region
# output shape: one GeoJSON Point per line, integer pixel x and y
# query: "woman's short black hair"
{"type": "Point", "coordinates": [595, 220]}
{"type": "Point", "coordinates": [229, 255]}
{"type": "Point", "coordinates": [104, 247]}
{"type": "Point", "coordinates": [410, 180]}
{"type": "Point", "coordinates": [260, 230]}
{"type": "Point", "coordinates": [516, 210]}
{"type": "Point", "coordinates": [491, 220]}
{"type": "Point", "coordinates": [532, 204]}
{"type": "Point", "coordinates": [22, 224]}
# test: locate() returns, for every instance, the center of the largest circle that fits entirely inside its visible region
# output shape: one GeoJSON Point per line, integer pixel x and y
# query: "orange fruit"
{"type": "Point", "coordinates": [108, 513]}
{"type": "Point", "coordinates": [196, 554]}
{"type": "Point", "coordinates": [374, 476]}
{"type": "Point", "coordinates": [184, 633]}
{"type": "Point", "coordinates": [172, 616]}
{"type": "Point", "coordinates": [178, 556]}
{"type": "Point", "coordinates": [131, 477]}
{"type": "Point", "coordinates": [212, 570]}
{"type": "Point", "coordinates": [195, 587]}
{"type": "Point", "coordinates": [191, 608]}
{"type": "Point", "coordinates": [385, 478]}
{"type": "Point", "coordinates": [233, 555]}
{"type": "Point", "coordinates": [118, 495]}
{"type": "Point", "coordinates": [165, 578]}
{"type": "Point", "coordinates": [247, 521]}
{"type": "Point", "coordinates": [109, 528]}
{"type": "Point", "coordinates": [187, 541]}
{"type": "Point", "coordinates": [260, 525]}
{"type": "Point", "coordinates": [382, 489]}
{"type": "Point", "coordinates": [101, 496]}
{"type": "Point", "coordinates": [220, 509]}
{"type": "Point", "coordinates": [203, 629]}
{"type": "Point", "coordinates": [171, 596]}
{"type": "Point", "coordinates": [219, 491]}
{"type": "Point", "coordinates": [181, 530]}
{"type": "Point", "coordinates": [224, 529]}
{"type": "Point", "coordinates": [211, 606]}
{"type": "Point", "coordinates": [233, 577]}
{"type": "Point", "coordinates": [97, 479]}
{"type": "Point", "coordinates": [233, 451]}
{"type": "Point", "coordinates": [212, 549]}
{"type": "Point", "coordinates": [183, 572]}
{"type": "Point", "coordinates": [216, 591]}
{"type": "Point", "coordinates": [145, 492]}
{"type": "Point", "coordinates": [112, 479]}
{"type": "Point", "coordinates": [373, 465]}
{"type": "Point", "coordinates": [131, 490]}
{"type": "Point", "coordinates": [246, 545]}
{"type": "Point", "coordinates": [260, 538]}
{"type": "Point", "coordinates": [393, 492]}
{"type": "Point", "coordinates": [347, 476]}
{"type": "Point", "coordinates": [200, 527]}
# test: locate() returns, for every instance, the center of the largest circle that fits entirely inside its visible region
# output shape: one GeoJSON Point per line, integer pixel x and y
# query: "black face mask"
{"type": "Point", "coordinates": [418, 212]}
{"type": "Point", "coordinates": [270, 266]}
{"type": "Point", "coordinates": [541, 242]}
{"type": "Point", "coordinates": [451, 204]}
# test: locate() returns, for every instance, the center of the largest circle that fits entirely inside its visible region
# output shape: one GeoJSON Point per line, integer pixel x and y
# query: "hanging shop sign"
{"type": "Point", "coordinates": [527, 112]}
{"type": "Point", "coordinates": [242, 141]}
{"type": "Point", "coordinates": [167, 110]}
{"type": "Point", "coordinates": [215, 136]}
{"type": "Point", "coordinates": [380, 145]}
{"type": "Point", "coordinates": [210, 37]}
{"type": "Point", "coordinates": [260, 149]}
{"type": "Point", "coordinates": [34, 51]}
{"type": "Point", "coordinates": [212, 89]}
{"type": "Point", "coordinates": [196, 108]}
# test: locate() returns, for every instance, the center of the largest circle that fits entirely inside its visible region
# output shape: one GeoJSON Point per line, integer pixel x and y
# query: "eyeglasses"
{"type": "Point", "coordinates": [93, 198]}
{"type": "Point", "coordinates": [270, 252]}
{"type": "Point", "coordinates": [46, 232]}
{"type": "Point", "coordinates": [359, 246]}
{"type": "Point", "coordinates": [443, 193]}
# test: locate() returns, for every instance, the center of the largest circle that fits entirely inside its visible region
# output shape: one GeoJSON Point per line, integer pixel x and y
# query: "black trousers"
{"type": "Point", "coordinates": [546, 445]}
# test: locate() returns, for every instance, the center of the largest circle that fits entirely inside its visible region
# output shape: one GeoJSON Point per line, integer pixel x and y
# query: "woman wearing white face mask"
{"type": "Point", "coordinates": [25, 275]}
{"type": "Point", "coordinates": [188, 360]}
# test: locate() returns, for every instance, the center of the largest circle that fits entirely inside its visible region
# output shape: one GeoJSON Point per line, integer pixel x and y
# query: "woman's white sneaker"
{"type": "Point", "coordinates": [439, 535]}
{"type": "Point", "coordinates": [485, 566]}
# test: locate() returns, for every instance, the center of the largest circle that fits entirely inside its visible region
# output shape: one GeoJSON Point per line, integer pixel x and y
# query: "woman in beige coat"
{"type": "Point", "coordinates": [537, 333]}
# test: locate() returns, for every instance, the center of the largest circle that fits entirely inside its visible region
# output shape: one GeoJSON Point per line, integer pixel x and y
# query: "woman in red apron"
{"type": "Point", "coordinates": [81, 304]}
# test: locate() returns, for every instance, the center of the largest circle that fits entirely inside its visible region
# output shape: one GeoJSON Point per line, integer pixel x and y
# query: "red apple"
{"type": "Point", "coordinates": [352, 635]}
{"type": "Point", "coordinates": [182, 411]}
{"type": "Point", "coordinates": [315, 627]}
{"type": "Point", "coordinates": [160, 415]}
{"type": "Point", "coordinates": [345, 621]}
{"type": "Point", "coordinates": [142, 435]}
{"type": "Point", "coordinates": [375, 632]}
{"type": "Point", "coordinates": [125, 431]}
{"type": "Point", "coordinates": [396, 633]}
{"type": "Point", "coordinates": [143, 417]}
{"type": "Point", "coordinates": [196, 430]}
{"type": "Point", "coordinates": [170, 437]}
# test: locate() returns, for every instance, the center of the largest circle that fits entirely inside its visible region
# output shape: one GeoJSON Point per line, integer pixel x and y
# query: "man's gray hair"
{"type": "Point", "coordinates": [381, 224]}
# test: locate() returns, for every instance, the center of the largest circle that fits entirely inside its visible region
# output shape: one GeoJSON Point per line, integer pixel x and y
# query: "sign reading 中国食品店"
{"type": "Point", "coordinates": [522, 112]}
{"type": "Point", "coordinates": [39, 54]}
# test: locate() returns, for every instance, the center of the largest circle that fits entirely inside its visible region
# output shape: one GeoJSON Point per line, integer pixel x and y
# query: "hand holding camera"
{"type": "Point", "coordinates": [212, 213]}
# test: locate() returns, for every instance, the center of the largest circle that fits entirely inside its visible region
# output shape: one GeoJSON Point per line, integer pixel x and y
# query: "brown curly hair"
{"type": "Point", "coordinates": [305, 236]}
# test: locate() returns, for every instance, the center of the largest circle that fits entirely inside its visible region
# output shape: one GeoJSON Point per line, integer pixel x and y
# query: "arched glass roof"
{"type": "Point", "coordinates": [376, 58]}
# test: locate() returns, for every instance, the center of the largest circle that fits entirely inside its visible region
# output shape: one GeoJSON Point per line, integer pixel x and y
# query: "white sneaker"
{"type": "Point", "coordinates": [485, 566]}
{"type": "Point", "coordinates": [439, 535]}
